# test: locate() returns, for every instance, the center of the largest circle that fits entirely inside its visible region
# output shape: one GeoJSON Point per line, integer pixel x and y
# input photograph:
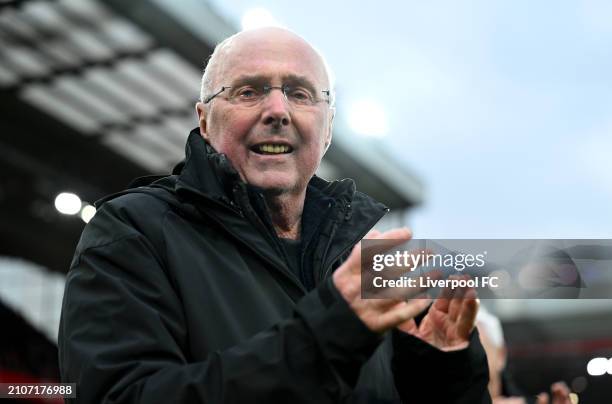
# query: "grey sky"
{"type": "Point", "coordinates": [504, 108]}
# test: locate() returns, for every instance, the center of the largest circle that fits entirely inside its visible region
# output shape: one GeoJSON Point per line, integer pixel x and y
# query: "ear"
{"type": "Point", "coordinates": [330, 128]}
{"type": "Point", "coordinates": [201, 110]}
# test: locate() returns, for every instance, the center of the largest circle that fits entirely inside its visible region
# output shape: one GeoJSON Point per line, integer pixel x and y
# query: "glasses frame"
{"type": "Point", "coordinates": [267, 90]}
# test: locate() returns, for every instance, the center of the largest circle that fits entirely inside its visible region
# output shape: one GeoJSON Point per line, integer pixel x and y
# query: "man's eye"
{"type": "Point", "coordinates": [247, 93]}
{"type": "Point", "coordinates": [300, 95]}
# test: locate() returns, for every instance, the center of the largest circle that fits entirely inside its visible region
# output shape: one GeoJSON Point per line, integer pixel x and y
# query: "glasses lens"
{"type": "Point", "coordinates": [299, 96]}
{"type": "Point", "coordinates": [251, 95]}
{"type": "Point", "coordinates": [248, 95]}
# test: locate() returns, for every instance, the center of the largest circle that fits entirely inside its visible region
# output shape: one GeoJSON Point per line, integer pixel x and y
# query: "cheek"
{"type": "Point", "coordinates": [316, 135]}
{"type": "Point", "coordinates": [228, 131]}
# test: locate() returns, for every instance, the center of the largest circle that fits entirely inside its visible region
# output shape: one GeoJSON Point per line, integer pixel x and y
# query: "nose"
{"type": "Point", "coordinates": [276, 109]}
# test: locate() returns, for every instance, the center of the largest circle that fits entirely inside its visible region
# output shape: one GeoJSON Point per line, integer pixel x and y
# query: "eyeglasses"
{"type": "Point", "coordinates": [250, 96]}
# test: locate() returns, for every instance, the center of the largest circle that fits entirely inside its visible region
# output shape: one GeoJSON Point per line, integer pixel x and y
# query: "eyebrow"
{"type": "Point", "coordinates": [259, 79]}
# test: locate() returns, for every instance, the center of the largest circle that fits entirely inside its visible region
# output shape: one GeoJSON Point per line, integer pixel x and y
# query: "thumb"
{"type": "Point", "coordinates": [409, 327]}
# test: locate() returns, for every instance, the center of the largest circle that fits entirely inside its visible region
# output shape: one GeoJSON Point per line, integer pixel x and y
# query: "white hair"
{"type": "Point", "coordinates": [491, 326]}
{"type": "Point", "coordinates": [206, 87]}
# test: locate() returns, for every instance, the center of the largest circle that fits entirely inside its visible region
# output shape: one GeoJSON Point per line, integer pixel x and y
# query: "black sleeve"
{"type": "Point", "coordinates": [123, 331]}
{"type": "Point", "coordinates": [424, 374]}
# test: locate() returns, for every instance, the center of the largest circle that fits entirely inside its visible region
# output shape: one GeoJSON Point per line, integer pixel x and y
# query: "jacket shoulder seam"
{"type": "Point", "coordinates": [121, 238]}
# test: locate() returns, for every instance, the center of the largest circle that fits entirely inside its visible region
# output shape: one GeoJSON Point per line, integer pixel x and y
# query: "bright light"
{"type": "Point", "coordinates": [367, 117]}
{"type": "Point", "coordinates": [609, 366]}
{"type": "Point", "coordinates": [87, 213]}
{"type": "Point", "coordinates": [68, 203]}
{"type": "Point", "coordinates": [257, 18]}
{"type": "Point", "coordinates": [597, 366]}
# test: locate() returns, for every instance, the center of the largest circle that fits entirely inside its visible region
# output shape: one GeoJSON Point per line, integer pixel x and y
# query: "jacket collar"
{"type": "Point", "coordinates": [211, 174]}
{"type": "Point", "coordinates": [205, 171]}
{"type": "Point", "coordinates": [335, 216]}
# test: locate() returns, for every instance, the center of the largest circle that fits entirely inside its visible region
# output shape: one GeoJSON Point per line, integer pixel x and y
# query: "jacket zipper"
{"type": "Point", "coordinates": [252, 216]}
{"type": "Point", "coordinates": [346, 249]}
{"type": "Point", "coordinates": [241, 214]}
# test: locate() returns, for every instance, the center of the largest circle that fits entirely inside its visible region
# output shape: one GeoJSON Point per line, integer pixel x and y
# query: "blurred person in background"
{"type": "Point", "coordinates": [236, 280]}
{"type": "Point", "coordinates": [501, 386]}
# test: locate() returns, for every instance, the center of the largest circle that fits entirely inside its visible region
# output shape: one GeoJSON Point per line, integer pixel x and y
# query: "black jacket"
{"type": "Point", "coordinates": [179, 292]}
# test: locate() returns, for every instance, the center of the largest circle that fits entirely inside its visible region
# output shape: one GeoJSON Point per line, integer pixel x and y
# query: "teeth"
{"type": "Point", "coordinates": [271, 148]}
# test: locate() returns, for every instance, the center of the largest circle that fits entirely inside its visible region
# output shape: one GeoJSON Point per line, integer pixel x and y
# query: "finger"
{"type": "Point", "coordinates": [376, 250]}
{"type": "Point", "coordinates": [372, 234]}
{"type": "Point", "coordinates": [409, 327]}
{"type": "Point", "coordinates": [469, 310]}
{"type": "Point", "coordinates": [402, 312]}
{"type": "Point", "coordinates": [438, 318]}
{"type": "Point", "coordinates": [383, 303]}
{"type": "Point", "coordinates": [414, 292]}
{"type": "Point", "coordinates": [454, 309]}
{"type": "Point", "coordinates": [442, 303]}
{"type": "Point", "coordinates": [353, 262]}
{"type": "Point", "coordinates": [409, 291]}
{"type": "Point", "coordinates": [383, 242]}
{"type": "Point", "coordinates": [421, 257]}
{"type": "Point", "coordinates": [400, 233]}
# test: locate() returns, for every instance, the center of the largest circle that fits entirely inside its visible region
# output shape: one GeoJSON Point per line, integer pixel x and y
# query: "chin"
{"type": "Point", "coordinates": [275, 187]}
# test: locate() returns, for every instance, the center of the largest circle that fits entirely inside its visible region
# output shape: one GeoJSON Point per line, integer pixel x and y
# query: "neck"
{"type": "Point", "coordinates": [286, 214]}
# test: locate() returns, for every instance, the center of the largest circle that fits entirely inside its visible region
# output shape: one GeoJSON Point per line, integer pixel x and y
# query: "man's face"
{"type": "Point", "coordinates": [273, 57]}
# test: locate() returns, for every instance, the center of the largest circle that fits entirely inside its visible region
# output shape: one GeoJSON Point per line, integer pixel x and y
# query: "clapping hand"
{"type": "Point", "coordinates": [560, 395]}
{"type": "Point", "coordinates": [383, 314]}
{"type": "Point", "coordinates": [450, 319]}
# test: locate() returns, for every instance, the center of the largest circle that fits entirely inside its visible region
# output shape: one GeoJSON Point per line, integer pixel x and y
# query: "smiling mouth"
{"type": "Point", "coordinates": [270, 148]}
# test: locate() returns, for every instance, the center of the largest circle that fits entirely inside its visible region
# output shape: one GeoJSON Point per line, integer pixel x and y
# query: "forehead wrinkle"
{"type": "Point", "coordinates": [288, 44]}
{"type": "Point", "coordinates": [249, 79]}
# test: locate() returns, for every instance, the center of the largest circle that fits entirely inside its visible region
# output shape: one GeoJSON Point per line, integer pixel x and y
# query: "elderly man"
{"type": "Point", "coordinates": [236, 280]}
{"type": "Point", "coordinates": [501, 386]}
